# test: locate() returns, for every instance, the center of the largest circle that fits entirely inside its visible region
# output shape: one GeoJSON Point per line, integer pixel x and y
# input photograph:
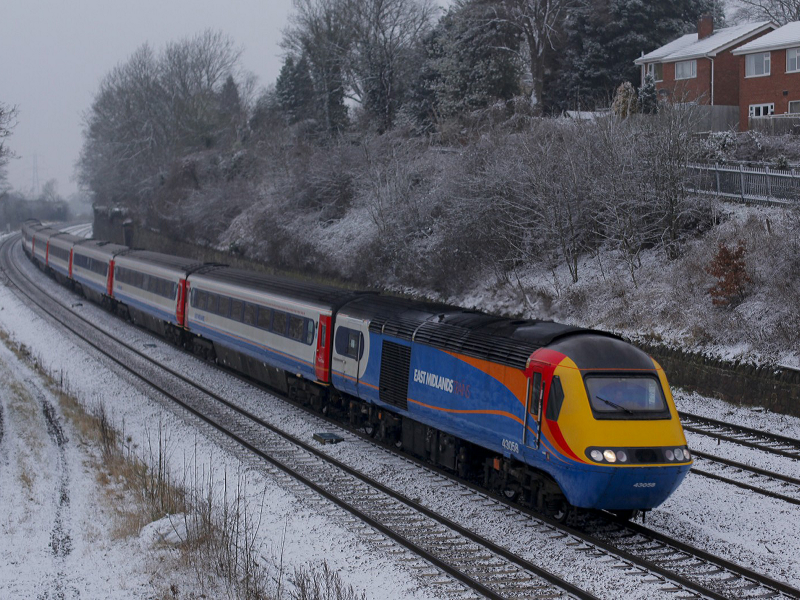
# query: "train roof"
{"type": "Point", "coordinates": [99, 247]}
{"type": "Point", "coordinates": [497, 339]}
{"type": "Point", "coordinates": [46, 232]}
{"type": "Point", "coordinates": [328, 296]}
{"type": "Point", "coordinates": [67, 238]}
{"type": "Point", "coordinates": [177, 263]}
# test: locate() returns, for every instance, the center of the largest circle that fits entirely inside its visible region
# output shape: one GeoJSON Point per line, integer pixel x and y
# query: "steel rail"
{"type": "Point", "coordinates": [385, 530]}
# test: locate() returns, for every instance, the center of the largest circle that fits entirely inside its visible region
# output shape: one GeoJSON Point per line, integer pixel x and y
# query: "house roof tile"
{"type": "Point", "coordinates": [688, 46]}
{"type": "Point", "coordinates": [783, 37]}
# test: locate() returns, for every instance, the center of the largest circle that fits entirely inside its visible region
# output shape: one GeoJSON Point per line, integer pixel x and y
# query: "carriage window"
{"type": "Point", "coordinates": [296, 328]}
{"type": "Point", "coordinates": [212, 301]}
{"type": "Point", "coordinates": [237, 308]}
{"type": "Point", "coordinates": [279, 322]}
{"type": "Point", "coordinates": [322, 331]}
{"type": "Point", "coordinates": [250, 314]}
{"type": "Point", "coordinates": [264, 317]}
{"type": "Point", "coordinates": [309, 331]}
{"type": "Point", "coordinates": [224, 306]}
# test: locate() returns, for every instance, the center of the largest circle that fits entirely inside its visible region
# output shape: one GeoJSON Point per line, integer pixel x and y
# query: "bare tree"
{"type": "Point", "coordinates": [386, 52]}
{"type": "Point", "coordinates": [778, 11]}
{"type": "Point", "coordinates": [155, 109]}
{"type": "Point", "coordinates": [540, 22]}
{"type": "Point", "coordinates": [322, 32]}
{"type": "Point", "coordinates": [8, 120]}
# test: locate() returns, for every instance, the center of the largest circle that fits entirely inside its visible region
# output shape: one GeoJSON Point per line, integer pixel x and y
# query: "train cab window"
{"type": "Point", "coordinates": [264, 317]}
{"type": "Point", "coordinates": [237, 309]}
{"type": "Point", "coordinates": [296, 328]}
{"type": "Point", "coordinates": [250, 314]}
{"type": "Point", "coordinates": [279, 322]}
{"type": "Point", "coordinates": [555, 399]}
{"type": "Point", "coordinates": [309, 331]}
{"type": "Point", "coordinates": [224, 306]}
{"type": "Point", "coordinates": [626, 397]}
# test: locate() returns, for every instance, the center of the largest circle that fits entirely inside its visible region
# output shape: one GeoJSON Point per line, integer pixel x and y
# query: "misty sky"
{"type": "Point", "coordinates": [54, 53]}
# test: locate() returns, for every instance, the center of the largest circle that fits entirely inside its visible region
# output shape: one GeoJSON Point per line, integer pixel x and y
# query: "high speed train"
{"type": "Point", "coordinates": [553, 415]}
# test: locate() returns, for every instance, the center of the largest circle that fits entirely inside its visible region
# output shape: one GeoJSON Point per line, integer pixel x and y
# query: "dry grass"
{"type": "Point", "coordinates": [223, 546]}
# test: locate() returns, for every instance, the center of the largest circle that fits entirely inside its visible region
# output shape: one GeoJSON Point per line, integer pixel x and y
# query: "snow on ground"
{"type": "Point", "coordinates": [298, 531]}
{"type": "Point", "coordinates": [57, 529]}
{"type": "Point", "coordinates": [294, 531]}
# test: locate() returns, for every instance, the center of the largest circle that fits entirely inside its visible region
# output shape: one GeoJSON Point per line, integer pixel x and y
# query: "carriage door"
{"type": "Point", "coordinates": [348, 352]}
{"type": "Point", "coordinates": [533, 410]}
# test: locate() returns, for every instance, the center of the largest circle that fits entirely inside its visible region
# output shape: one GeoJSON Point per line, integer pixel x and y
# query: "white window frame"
{"type": "Point", "coordinates": [766, 109]}
{"type": "Point", "coordinates": [797, 104]}
{"type": "Point", "coordinates": [794, 53]}
{"type": "Point", "coordinates": [651, 70]}
{"type": "Point", "coordinates": [692, 68]}
{"type": "Point", "coordinates": [750, 64]}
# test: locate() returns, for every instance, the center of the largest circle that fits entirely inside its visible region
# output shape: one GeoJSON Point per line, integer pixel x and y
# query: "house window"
{"type": "Point", "coordinates": [792, 60]}
{"type": "Point", "coordinates": [656, 71]}
{"type": "Point", "coordinates": [762, 110]}
{"type": "Point", "coordinates": [686, 69]}
{"type": "Point", "coordinates": [794, 106]}
{"type": "Point", "coordinates": [756, 65]}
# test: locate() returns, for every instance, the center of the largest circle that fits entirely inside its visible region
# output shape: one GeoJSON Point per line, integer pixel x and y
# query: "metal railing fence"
{"type": "Point", "coordinates": [755, 184]}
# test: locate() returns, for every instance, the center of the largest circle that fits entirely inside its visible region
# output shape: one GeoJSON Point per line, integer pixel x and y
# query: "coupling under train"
{"type": "Point", "coordinates": [553, 415]}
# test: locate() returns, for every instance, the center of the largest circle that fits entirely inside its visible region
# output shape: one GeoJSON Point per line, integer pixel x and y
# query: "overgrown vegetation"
{"type": "Point", "coordinates": [216, 523]}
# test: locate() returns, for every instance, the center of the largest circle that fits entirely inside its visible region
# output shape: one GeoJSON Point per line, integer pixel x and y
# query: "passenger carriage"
{"type": "Point", "coordinates": [59, 256]}
{"type": "Point", "coordinates": [29, 226]}
{"type": "Point", "coordinates": [92, 263]}
{"type": "Point", "coordinates": [152, 286]}
{"type": "Point", "coordinates": [273, 329]}
{"type": "Point", "coordinates": [40, 245]}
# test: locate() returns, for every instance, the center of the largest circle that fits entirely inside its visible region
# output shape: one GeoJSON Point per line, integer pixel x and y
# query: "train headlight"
{"type": "Point", "coordinates": [596, 455]}
{"type": "Point", "coordinates": [622, 456]}
{"type": "Point", "coordinates": [678, 454]}
{"type": "Point", "coordinates": [610, 456]}
{"type": "Point", "coordinates": [669, 455]}
{"type": "Point", "coordinates": [686, 454]}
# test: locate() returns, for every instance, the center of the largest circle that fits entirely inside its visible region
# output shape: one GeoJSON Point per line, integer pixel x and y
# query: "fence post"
{"type": "Point", "coordinates": [741, 180]}
{"type": "Point", "coordinates": [769, 182]}
{"type": "Point", "coordinates": [716, 169]}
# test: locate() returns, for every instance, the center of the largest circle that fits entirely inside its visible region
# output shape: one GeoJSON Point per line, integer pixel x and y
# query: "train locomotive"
{"type": "Point", "coordinates": [558, 417]}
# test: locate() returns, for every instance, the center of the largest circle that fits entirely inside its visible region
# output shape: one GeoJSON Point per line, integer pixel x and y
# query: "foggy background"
{"type": "Point", "coordinates": [53, 55]}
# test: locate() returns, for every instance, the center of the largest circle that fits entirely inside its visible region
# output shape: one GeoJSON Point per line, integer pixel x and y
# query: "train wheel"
{"type": "Point", "coordinates": [558, 510]}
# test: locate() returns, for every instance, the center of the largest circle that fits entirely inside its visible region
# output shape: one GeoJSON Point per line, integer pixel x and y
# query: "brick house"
{"type": "Point", "coordinates": [701, 67]}
{"type": "Point", "coordinates": [769, 74]}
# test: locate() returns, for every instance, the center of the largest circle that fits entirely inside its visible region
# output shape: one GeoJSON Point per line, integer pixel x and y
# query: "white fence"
{"type": "Point", "coordinates": [755, 184]}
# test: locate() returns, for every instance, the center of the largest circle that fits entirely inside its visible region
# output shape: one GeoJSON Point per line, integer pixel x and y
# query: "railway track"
{"type": "Point", "coordinates": [482, 566]}
{"type": "Point", "coordinates": [771, 443]}
{"type": "Point", "coordinates": [745, 476]}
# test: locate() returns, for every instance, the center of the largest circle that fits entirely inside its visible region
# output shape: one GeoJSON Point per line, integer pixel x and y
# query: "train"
{"type": "Point", "coordinates": [557, 417]}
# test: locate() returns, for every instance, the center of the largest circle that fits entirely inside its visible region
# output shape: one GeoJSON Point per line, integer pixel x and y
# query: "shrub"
{"type": "Point", "coordinates": [729, 267]}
